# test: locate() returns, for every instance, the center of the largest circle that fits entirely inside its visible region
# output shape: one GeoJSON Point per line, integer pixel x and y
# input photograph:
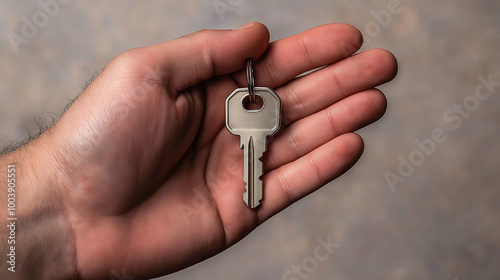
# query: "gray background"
{"type": "Point", "coordinates": [440, 223]}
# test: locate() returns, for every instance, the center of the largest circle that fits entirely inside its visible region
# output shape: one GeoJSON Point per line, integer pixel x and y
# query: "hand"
{"type": "Point", "coordinates": [147, 177]}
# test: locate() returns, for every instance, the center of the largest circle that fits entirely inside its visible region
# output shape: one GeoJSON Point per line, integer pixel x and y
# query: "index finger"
{"type": "Point", "coordinates": [287, 58]}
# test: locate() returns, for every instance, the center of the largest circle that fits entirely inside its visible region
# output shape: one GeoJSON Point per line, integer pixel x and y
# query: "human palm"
{"type": "Point", "coordinates": [151, 177]}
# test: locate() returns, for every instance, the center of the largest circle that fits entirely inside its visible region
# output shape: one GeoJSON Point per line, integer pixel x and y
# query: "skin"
{"type": "Point", "coordinates": [140, 176]}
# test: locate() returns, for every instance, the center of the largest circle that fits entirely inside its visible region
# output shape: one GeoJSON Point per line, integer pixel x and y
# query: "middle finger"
{"type": "Point", "coordinates": [311, 93]}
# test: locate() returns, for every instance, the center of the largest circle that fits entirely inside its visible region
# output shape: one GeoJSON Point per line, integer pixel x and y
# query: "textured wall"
{"type": "Point", "coordinates": [439, 220]}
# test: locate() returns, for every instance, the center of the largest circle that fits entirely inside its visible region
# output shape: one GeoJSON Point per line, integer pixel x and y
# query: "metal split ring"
{"type": "Point", "coordinates": [250, 80]}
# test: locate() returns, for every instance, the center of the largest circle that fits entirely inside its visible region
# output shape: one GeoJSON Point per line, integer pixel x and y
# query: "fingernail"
{"type": "Point", "coordinates": [246, 26]}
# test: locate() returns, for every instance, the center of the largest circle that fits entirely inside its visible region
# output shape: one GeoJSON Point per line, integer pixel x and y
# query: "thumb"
{"type": "Point", "coordinates": [207, 53]}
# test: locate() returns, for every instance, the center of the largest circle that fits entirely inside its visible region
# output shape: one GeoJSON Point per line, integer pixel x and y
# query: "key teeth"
{"type": "Point", "coordinates": [246, 198]}
{"type": "Point", "coordinates": [252, 172]}
{"type": "Point", "coordinates": [257, 203]}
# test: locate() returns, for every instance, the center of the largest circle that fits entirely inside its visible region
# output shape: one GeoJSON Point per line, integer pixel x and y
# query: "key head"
{"type": "Point", "coordinates": [263, 122]}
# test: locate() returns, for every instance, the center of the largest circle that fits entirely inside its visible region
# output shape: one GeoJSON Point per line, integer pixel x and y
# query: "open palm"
{"type": "Point", "coordinates": [151, 177]}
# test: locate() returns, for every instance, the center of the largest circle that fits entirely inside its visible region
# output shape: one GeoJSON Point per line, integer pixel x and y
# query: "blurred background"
{"type": "Point", "coordinates": [422, 203]}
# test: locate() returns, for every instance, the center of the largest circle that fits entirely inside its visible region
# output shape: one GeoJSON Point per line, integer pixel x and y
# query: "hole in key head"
{"type": "Point", "coordinates": [252, 106]}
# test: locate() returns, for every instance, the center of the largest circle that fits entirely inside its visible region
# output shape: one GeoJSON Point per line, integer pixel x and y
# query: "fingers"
{"type": "Point", "coordinates": [318, 90]}
{"type": "Point", "coordinates": [289, 57]}
{"type": "Point", "coordinates": [322, 107]}
{"type": "Point", "coordinates": [299, 178]}
{"type": "Point", "coordinates": [307, 104]}
{"type": "Point", "coordinates": [307, 134]}
{"type": "Point", "coordinates": [201, 55]}
{"type": "Point", "coordinates": [283, 61]}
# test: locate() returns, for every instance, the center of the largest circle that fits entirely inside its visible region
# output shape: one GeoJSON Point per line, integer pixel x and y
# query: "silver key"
{"type": "Point", "coordinates": [253, 127]}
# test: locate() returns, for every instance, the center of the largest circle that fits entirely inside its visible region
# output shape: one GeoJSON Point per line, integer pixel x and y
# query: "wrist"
{"type": "Point", "coordinates": [37, 240]}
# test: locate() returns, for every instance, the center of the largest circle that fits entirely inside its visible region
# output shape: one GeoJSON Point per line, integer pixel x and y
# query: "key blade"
{"type": "Point", "coordinates": [252, 170]}
{"type": "Point", "coordinates": [251, 175]}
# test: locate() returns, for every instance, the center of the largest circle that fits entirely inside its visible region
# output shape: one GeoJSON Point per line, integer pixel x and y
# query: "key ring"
{"type": "Point", "coordinates": [250, 80]}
